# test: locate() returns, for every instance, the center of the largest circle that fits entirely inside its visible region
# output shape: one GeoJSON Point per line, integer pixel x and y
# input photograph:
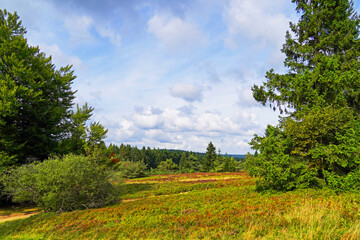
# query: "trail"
{"type": "Point", "coordinates": [16, 216]}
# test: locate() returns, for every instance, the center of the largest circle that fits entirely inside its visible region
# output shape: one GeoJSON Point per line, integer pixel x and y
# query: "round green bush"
{"type": "Point", "coordinates": [60, 184]}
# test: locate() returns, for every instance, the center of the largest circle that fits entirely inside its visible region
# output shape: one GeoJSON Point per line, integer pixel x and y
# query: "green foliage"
{"type": "Point", "coordinates": [322, 57]}
{"type": "Point", "coordinates": [190, 163]}
{"type": "Point", "coordinates": [60, 184]}
{"type": "Point", "coordinates": [129, 170]}
{"type": "Point", "coordinates": [318, 142]}
{"type": "Point", "coordinates": [167, 166]}
{"type": "Point", "coordinates": [35, 97]}
{"type": "Point", "coordinates": [275, 167]}
{"type": "Point", "coordinates": [210, 157]}
{"type": "Point", "coordinates": [78, 130]}
{"type": "Point", "coordinates": [83, 138]}
{"type": "Point", "coordinates": [6, 161]}
{"type": "Point", "coordinates": [319, 148]}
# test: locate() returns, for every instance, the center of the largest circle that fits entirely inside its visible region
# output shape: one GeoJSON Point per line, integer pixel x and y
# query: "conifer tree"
{"type": "Point", "coordinates": [210, 157]}
{"type": "Point", "coordinates": [322, 57]}
{"type": "Point", "coordinates": [317, 143]}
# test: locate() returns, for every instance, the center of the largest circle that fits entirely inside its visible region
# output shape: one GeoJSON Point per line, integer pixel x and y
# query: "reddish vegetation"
{"type": "Point", "coordinates": [192, 177]}
{"type": "Point", "coordinates": [113, 159]}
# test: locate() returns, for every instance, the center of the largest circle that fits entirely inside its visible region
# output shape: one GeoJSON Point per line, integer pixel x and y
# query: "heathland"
{"type": "Point", "coordinates": [200, 206]}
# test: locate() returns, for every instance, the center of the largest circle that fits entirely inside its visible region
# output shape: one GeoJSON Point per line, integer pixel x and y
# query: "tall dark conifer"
{"type": "Point", "coordinates": [317, 143]}
{"type": "Point", "coordinates": [322, 57]}
{"type": "Point", "coordinates": [210, 157]}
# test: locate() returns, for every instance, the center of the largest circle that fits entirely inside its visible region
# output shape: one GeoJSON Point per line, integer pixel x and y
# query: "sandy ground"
{"type": "Point", "coordinates": [15, 216]}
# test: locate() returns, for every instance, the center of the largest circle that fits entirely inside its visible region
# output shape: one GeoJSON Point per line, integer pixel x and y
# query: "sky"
{"type": "Point", "coordinates": [166, 74]}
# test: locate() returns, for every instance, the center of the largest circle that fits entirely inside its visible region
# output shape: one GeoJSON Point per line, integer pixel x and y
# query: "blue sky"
{"type": "Point", "coordinates": [166, 74]}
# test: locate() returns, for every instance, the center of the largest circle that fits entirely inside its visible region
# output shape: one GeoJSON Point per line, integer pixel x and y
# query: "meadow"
{"type": "Point", "coordinates": [201, 206]}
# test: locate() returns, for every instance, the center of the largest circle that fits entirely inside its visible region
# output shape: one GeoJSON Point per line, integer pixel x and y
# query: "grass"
{"type": "Point", "coordinates": [201, 206]}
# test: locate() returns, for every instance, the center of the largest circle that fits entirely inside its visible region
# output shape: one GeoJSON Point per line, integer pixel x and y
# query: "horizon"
{"type": "Point", "coordinates": [166, 74]}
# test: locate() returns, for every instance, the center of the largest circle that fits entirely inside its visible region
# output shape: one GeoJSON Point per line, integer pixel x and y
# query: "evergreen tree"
{"type": "Point", "coordinates": [322, 55]}
{"type": "Point", "coordinates": [36, 99]}
{"type": "Point", "coordinates": [210, 157]}
{"type": "Point", "coordinates": [318, 141]}
{"type": "Point", "coordinates": [183, 164]}
{"type": "Point", "coordinates": [194, 162]}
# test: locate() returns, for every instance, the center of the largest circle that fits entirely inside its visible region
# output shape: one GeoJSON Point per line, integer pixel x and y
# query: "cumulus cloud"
{"type": "Point", "coordinates": [171, 128]}
{"type": "Point", "coordinates": [187, 110]}
{"type": "Point", "coordinates": [188, 92]}
{"type": "Point", "coordinates": [147, 121]}
{"type": "Point", "coordinates": [175, 33]}
{"type": "Point", "coordinates": [248, 19]}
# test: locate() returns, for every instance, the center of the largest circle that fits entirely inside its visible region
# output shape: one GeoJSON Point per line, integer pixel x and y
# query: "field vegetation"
{"type": "Point", "coordinates": [302, 182]}
{"type": "Point", "coordinates": [201, 206]}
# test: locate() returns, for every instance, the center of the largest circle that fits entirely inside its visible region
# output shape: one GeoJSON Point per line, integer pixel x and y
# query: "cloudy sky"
{"type": "Point", "coordinates": [166, 74]}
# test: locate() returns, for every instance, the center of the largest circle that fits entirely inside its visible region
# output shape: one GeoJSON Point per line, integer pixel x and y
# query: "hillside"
{"type": "Point", "coordinates": [200, 206]}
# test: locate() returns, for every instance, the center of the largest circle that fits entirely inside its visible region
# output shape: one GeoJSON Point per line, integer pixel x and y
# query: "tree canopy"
{"type": "Point", "coordinates": [317, 143]}
{"type": "Point", "coordinates": [36, 98]}
{"type": "Point", "coordinates": [322, 53]}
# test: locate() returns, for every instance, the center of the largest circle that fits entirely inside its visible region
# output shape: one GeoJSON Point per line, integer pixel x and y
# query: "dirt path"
{"type": "Point", "coordinates": [15, 216]}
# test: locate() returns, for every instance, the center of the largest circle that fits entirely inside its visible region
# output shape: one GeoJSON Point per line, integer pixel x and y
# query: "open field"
{"type": "Point", "coordinates": [201, 206]}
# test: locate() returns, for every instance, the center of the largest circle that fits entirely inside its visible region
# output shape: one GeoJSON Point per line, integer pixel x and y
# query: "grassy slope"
{"type": "Point", "coordinates": [201, 206]}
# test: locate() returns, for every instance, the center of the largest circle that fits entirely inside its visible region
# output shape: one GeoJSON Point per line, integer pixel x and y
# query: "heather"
{"type": "Point", "coordinates": [201, 206]}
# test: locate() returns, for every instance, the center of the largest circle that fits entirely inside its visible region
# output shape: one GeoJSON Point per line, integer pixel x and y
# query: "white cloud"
{"type": "Point", "coordinates": [79, 28]}
{"type": "Point", "coordinates": [110, 33]}
{"type": "Point", "coordinates": [59, 58]}
{"type": "Point", "coordinates": [170, 128]}
{"type": "Point", "coordinates": [254, 20]}
{"type": "Point", "coordinates": [175, 33]}
{"type": "Point", "coordinates": [147, 121]}
{"type": "Point", "coordinates": [188, 92]}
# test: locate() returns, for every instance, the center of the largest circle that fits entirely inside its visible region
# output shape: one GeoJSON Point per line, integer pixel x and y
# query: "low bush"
{"type": "Point", "coordinates": [60, 184]}
{"type": "Point", "coordinates": [127, 169]}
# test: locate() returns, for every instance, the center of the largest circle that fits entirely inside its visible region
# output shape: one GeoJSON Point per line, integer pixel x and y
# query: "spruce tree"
{"type": "Point", "coordinates": [210, 157]}
{"type": "Point", "coordinates": [322, 57]}
{"type": "Point", "coordinates": [317, 143]}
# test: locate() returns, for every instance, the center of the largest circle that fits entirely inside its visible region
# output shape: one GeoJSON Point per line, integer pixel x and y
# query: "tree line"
{"type": "Point", "coordinates": [171, 161]}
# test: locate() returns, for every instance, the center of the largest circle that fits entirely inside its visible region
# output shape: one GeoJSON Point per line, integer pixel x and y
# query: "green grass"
{"type": "Point", "coordinates": [201, 206]}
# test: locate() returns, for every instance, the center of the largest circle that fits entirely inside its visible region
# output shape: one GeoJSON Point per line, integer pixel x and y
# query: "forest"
{"type": "Point", "coordinates": [302, 180]}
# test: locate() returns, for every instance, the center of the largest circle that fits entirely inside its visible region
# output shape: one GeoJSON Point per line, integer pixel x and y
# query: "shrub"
{"type": "Point", "coordinates": [167, 167]}
{"type": "Point", "coordinates": [318, 148]}
{"type": "Point", "coordinates": [127, 169]}
{"type": "Point", "coordinates": [60, 184]}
